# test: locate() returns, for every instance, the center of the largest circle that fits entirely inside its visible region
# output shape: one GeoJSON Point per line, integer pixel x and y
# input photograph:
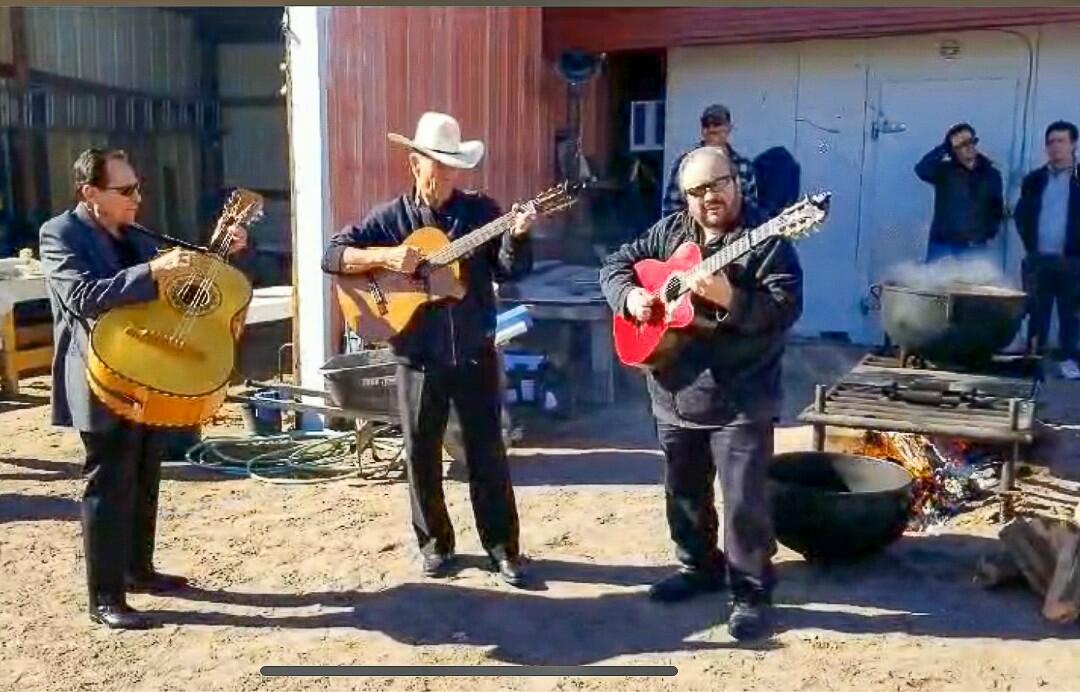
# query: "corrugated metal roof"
{"type": "Point", "coordinates": [610, 29]}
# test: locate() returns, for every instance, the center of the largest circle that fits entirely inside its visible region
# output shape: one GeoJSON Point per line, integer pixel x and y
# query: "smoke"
{"type": "Point", "coordinates": [950, 272]}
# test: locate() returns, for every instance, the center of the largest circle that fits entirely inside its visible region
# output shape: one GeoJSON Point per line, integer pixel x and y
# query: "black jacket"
{"type": "Point", "coordinates": [444, 332]}
{"type": "Point", "coordinates": [1029, 207]}
{"type": "Point", "coordinates": [732, 372]}
{"type": "Point", "coordinates": [968, 205]}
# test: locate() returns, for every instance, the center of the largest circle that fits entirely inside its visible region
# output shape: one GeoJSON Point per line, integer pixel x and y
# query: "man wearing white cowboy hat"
{"type": "Point", "coordinates": [447, 354]}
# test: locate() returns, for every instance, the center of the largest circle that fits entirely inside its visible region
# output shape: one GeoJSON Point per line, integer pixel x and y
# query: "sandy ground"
{"type": "Point", "coordinates": [328, 574]}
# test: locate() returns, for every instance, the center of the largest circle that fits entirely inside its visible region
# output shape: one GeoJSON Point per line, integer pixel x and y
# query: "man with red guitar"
{"type": "Point", "coordinates": [716, 403]}
{"type": "Point", "coordinates": [447, 352]}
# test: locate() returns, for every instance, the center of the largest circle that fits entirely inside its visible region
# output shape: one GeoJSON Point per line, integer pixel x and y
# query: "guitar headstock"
{"type": "Point", "coordinates": [802, 218]}
{"type": "Point", "coordinates": [243, 208]}
{"type": "Point", "coordinates": [557, 198]}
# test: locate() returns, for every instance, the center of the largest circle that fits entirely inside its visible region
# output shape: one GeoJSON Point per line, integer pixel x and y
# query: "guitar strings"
{"type": "Point", "coordinates": [203, 294]}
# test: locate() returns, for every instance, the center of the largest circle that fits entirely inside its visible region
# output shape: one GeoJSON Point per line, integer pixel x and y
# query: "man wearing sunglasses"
{"type": "Point", "coordinates": [716, 405]}
{"type": "Point", "coordinates": [716, 127]}
{"type": "Point", "coordinates": [96, 258]}
{"type": "Point", "coordinates": [969, 203]}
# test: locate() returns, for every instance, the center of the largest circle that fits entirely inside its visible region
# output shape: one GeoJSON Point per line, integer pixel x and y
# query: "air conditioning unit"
{"type": "Point", "coordinates": [646, 126]}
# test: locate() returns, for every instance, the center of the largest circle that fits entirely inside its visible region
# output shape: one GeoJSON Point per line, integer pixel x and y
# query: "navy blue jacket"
{"type": "Point", "coordinates": [1029, 207]}
{"type": "Point", "coordinates": [86, 277]}
{"type": "Point", "coordinates": [969, 206]}
{"type": "Point", "coordinates": [446, 332]}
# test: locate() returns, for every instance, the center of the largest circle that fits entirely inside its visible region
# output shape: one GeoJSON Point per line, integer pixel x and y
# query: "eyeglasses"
{"type": "Point", "coordinates": [721, 184]}
{"type": "Point", "coordinates": [967, 143]}
{"type": "Point", "coordinates": [126, 190]}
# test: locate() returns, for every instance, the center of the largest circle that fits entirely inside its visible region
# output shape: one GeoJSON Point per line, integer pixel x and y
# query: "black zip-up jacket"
{"type": "Point", "coordinates": [969, 205]}
{"type": "Point", "coordinates": [446, 332]}
{"type": "Point", "coordinates": [731, 371]}
{"type": "Point", "coordinates": [1029, 207]}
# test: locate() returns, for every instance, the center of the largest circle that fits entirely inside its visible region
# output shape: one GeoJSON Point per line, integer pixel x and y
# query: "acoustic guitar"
{"type": "Point", "coordinates": [378, 305]}
{"type": "Point", "coordinates": [167, 362]}
{"type": "Point", "coordinates": [656, 343]}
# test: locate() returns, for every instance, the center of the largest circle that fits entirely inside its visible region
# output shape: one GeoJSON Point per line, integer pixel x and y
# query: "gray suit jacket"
{"type": "Point", "coordinates": [85, 278]}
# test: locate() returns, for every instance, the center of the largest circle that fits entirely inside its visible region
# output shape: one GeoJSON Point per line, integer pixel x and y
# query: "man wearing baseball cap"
{"type": "Point", "coordinates": [715, 132]}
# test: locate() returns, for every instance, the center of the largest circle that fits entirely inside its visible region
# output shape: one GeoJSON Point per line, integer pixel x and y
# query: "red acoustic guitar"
{"type": "Point", "coordinates": [656, 343]}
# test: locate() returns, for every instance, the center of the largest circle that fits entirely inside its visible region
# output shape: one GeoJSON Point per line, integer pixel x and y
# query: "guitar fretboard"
{"type": "Point", "coordinates": [674, 287]}
{"type": "Point", "coordinates": [469, 242]}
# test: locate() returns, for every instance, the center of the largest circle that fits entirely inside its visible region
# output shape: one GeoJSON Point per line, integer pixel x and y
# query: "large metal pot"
{"type": "Point", "coordinates": [961, 323]}
{"type": "Point", "coordinates": [835, 507]}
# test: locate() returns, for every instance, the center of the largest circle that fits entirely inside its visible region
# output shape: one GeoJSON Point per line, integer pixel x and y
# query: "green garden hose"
{"type": "Point", "coordinates": [294, 458]}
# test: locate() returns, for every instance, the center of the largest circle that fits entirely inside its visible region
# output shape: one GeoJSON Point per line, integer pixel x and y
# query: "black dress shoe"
{"type": "Point", "coordinates": [686, 584]}
{"type": "Point", "coordinates": [119, 616]}
{"type": "Point", "coordinates": [512, 571]}
{"type": "Point", "coordinates": [156, 582]}
{"type": "Point", "coordinates": [749, 617]}
{"type": "Point", "coordinates": [438, 565]}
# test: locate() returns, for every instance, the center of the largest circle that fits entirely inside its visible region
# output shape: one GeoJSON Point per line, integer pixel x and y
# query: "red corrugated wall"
{"type": "Point", "coordinates": [483, 65]}
{"type": "Point", "coordinates": [387, 65]}
{"type": "Point", "coordinates": [611, 29]}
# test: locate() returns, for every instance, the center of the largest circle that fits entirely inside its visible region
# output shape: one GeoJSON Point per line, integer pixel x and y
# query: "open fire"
{"type": "Point", "coordinates": [950, 474]}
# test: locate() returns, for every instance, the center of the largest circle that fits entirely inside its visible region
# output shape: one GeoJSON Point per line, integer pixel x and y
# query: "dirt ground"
{"type": "Point", "coordinates": [327, 574]}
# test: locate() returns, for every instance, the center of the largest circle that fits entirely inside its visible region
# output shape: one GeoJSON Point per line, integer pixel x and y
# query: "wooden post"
{"type": "Point", "coordinates": [819, 428]}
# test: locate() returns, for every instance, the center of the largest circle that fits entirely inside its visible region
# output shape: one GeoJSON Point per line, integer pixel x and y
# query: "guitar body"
{"type": "Point", "coordinates": [380, 304]}
{"type": "Point", "coordinates": [141, 367]}
{"type": "Point", "coordinates": [655, 343]}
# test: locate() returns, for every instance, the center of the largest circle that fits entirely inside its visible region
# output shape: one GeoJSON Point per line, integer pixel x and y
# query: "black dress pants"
{"type": "Point", "coordinates": [119, 508]}
{"type": "Point", "coordinates": [424, 398]}
{"type": "Point", "coordinates": [1050, 279]}
{"type": "Point", "coordinates": [741, 453]}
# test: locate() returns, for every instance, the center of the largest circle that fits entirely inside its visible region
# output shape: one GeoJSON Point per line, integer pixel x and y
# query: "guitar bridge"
{"type": "Point", "coordinates": [166, 342]}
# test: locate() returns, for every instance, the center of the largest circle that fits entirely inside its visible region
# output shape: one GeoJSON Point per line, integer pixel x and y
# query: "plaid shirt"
{"type": "Point", "coordinates": [675, 201]}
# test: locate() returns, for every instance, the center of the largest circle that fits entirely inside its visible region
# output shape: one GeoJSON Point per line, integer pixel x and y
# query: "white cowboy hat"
{"type": "Point", "coordinates": [438, 136]}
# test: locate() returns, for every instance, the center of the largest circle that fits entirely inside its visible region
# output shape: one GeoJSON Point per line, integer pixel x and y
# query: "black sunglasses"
{"type": "Point", "coordinates": [718, 185]}
{"type": "Point", "coordinates": [126, 190]}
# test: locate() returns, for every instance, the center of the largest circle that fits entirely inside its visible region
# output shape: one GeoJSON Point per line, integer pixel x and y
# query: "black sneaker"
{"type": "Point", "coordinates": [438, 565]}
{"type": "Point", "coordinates": [687, 583]}
{"type": "Point", "coordinates": [749, 617]}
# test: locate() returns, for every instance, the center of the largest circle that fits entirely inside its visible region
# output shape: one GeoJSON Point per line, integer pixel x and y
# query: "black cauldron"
{"type": "Point", "coordinates": [836, 507]}
{"type": "Point", "coordinates": [965, 324]}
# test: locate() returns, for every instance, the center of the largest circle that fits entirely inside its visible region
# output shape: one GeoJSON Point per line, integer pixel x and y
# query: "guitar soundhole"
{"type": "Point", "coordinates": [194, 297]}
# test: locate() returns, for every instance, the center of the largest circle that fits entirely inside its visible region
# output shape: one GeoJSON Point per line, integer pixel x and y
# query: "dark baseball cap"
{"type": "Point", "coordinates": [715, 115]}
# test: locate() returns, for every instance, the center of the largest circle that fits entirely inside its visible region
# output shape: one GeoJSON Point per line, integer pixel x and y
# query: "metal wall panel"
{"type": "Point", "coordinates": [609, 29]}
{"type": "Point", "coordinates": [250, 70]}
{"type": "Point", "coordinates": [255, 147]}
{"type": "Point", "coordinates": [5, 35]}
{"type": "Point", "coordinates": [386, 66]}
{"type": "Point", "coordinates": [137, 48]}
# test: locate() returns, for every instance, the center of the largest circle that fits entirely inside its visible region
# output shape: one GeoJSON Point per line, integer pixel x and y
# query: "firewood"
{"type": "Point", "coordinates": [1029, 544]}
{"type": "Point", "coordinates": [1062, 602]}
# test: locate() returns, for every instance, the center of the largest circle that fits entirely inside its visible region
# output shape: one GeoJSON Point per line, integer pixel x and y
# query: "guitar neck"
{"type": "Point", "coordinates": [731, 252]}
{"type": "Point", "coordinates": [469, 242]}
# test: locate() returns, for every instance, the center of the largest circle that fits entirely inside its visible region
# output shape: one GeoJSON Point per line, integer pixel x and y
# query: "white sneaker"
{"type": "Point", "coordinates": [1069, 370]}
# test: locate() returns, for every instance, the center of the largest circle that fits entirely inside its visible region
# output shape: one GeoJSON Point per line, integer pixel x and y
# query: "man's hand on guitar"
{"type": "Point", "coordinates": [641, 305]}
{"type": "Point", "coordinates": [523, 221]}
{"type": "Point", "coordinates": [172, 262]}
{"type": "Point", "coordinates": [403, 258]}
{"type": "Point", "coordinates": [714, 288]}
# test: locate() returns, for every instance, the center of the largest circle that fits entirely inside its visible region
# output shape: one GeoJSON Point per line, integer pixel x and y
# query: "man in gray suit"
{"type": "Point", "coordinates": [96, 258]}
